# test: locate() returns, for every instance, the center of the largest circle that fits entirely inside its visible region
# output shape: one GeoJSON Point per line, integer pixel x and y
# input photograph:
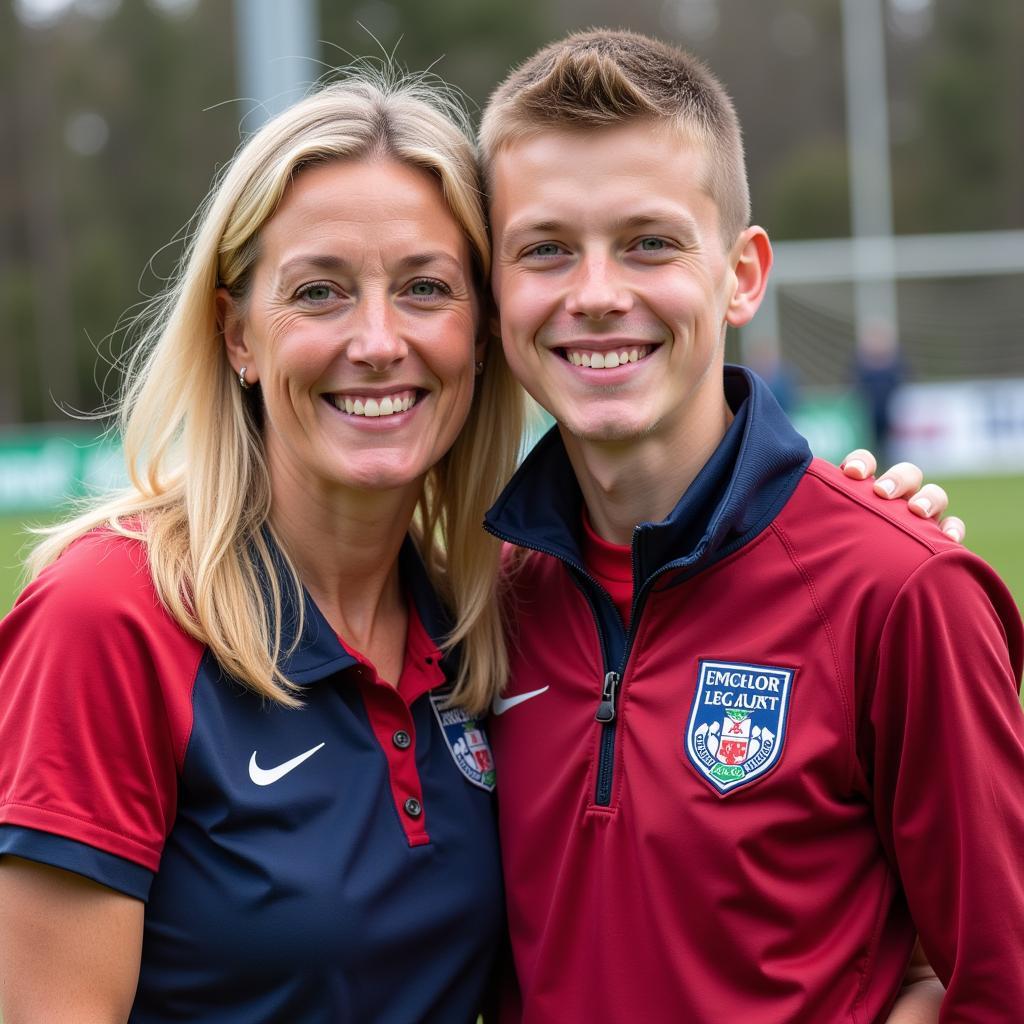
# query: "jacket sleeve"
{"type": "Point", "coordinates": [95, 683]}
{"type": "Point", "coordinates": [949, 778]}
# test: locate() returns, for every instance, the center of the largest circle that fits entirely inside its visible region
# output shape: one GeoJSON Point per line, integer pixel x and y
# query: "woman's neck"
{"type": "Point", "coordinates": [344, 544]}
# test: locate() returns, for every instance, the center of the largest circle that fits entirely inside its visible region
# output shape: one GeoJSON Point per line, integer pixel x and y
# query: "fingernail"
{"type": "Point", "coordinates": [858, 465]}
{"type": "Point", "coordinates": [923, 504]}
{"type": "Point", "coordinates": [953, 534]}
{"type": "Point", "coordinates": [888, 486]}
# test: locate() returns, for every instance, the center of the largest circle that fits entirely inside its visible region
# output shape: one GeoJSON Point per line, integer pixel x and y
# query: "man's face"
{"type": "Point", "coordinates": [611, 278]}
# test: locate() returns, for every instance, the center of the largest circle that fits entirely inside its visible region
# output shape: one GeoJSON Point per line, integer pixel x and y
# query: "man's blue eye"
{"type": "Point", "coordinates": [652, 244]}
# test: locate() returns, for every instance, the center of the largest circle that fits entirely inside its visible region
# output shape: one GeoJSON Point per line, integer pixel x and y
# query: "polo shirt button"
{"type": "Point", "coordinates": [413, 807]}
{"type": "Point", "coordinates": [401, 739]}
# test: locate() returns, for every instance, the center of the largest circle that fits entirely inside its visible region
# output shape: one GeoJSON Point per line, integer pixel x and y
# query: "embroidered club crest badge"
{"type": "Point", "coordinates": [466, 739]}
{"type": "Point", "coordinates": [737, 722]}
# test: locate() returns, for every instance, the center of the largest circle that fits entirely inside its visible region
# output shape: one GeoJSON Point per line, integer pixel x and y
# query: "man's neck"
{"type": "Point", "coordinates": [641, 480]}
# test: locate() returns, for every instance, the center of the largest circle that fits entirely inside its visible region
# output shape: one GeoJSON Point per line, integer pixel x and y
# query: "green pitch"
{"type": "Point", "coordinates": [991, 507]}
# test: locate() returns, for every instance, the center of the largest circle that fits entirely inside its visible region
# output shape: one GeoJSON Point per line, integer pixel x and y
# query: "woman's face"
{"type": "Point", "coordinates": [361, 329]}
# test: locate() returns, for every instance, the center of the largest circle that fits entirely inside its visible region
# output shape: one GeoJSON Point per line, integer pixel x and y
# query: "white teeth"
{"type": "Point", "coordinates": [374, 407]}
{"type": "Point", "coordinates": [607, 360]}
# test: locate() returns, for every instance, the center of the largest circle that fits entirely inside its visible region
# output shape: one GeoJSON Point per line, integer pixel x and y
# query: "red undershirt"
{"type": "Point", "coordinates": [611, 565]}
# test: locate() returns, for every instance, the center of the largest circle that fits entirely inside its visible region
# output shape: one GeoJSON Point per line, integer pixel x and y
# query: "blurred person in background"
{"type": "Point", "coordinates": [758, 759]}
{"type": "Point", "coordinates": [244, 772]}
{"type": "Point", "coordinates": [878, 372]}
{"type": "Point", "coordinates": [244, 777]}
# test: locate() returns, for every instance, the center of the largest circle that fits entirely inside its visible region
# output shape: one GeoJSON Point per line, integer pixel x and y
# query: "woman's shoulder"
{"type": "Point", "coordinates": [97, 572]}
{"type": "Point", "coordinates": [100, 585]}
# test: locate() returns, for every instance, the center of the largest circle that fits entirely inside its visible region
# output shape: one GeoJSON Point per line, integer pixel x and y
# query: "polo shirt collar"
{"type": "Point", "coordinates": [319, 653]}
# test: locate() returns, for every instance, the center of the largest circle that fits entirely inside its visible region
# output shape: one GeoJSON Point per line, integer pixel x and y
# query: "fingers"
{"type": "Point", "coordinates": [900, 480]}
{"type": "Point", "coordinates": [930, 502]}
{"type": "Point", "coordinates": [954, 528]}
{"type": "Point", "coordinates": [859, 464]}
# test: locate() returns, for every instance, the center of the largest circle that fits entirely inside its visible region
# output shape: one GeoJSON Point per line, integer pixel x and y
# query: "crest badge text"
{"type": "Point", "coordinates": [738, 721]}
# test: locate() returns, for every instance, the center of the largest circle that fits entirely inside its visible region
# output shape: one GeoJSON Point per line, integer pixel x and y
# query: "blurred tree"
{"type": "Point", "coordinates": [959, 166]}
{"type": "Point", "coordinates": [118, 122]}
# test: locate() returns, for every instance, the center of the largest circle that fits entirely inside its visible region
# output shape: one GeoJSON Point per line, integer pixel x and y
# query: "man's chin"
{"type": "Point", "coordinates": [608, 431]}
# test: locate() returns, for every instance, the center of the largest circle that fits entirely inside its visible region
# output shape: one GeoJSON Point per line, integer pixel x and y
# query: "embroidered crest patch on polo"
{"type": "Point", "coordinates": [737, 721]}
{"type": "Point", "coordinates": [466, 741]}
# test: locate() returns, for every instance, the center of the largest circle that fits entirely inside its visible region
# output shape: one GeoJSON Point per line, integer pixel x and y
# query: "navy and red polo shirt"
{"type": "Point", "coordinates": [333, 863]}
{"type": "Point", "coordinates": [741, 797]}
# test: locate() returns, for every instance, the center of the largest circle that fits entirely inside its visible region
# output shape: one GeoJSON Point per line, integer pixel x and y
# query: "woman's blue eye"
{"type": "Point", "coordinates": [316, 292]}
{"type": "Point", "coordinates": [427, 289]}
{"type": "Point", "coordinates": [545, 249]}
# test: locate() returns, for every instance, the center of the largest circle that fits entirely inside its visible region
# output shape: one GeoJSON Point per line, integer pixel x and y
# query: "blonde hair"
{"type": "Point", "coordinates": [200, 492]}
{"type": "Point", "coordinates": [603, 78]}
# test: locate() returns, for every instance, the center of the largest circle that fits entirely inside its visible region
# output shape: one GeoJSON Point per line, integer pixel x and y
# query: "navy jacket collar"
{"type": "Point", "coordinates": [735, 496]}
{"type": "Point", "coordinates": [319, 653]}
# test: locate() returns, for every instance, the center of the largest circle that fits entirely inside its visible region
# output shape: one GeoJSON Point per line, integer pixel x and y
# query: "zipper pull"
{"type": "Point", "coordinates": [606, 709]}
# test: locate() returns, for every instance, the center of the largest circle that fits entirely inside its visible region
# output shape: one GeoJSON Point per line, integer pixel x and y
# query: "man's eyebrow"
{"type": "Point", "coordinates": [531, 227]}
{"type": "Point", "coordinates": [654, 218]}
{"type": "Point", "coordinates": [681, 222]}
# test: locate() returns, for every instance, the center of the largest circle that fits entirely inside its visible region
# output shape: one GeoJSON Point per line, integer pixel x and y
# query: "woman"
{"type": "Point", "coordinates": [242, 778]}
{"type": "Point", "coordinates": [242, 773]}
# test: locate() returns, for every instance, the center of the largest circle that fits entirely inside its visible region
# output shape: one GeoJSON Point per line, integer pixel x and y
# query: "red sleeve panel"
{"type": "Point", "coordinates": [948, 765]}
{"type": "Point", "coordinates": [95, 713]}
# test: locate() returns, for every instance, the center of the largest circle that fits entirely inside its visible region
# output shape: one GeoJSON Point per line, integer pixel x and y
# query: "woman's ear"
{"type": "Point", "coordinates": [751, 261]}
{"type": "Point", "coordinates": [231, 323]}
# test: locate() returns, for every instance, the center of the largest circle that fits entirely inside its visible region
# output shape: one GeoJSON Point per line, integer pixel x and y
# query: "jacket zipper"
{"type": "Point", "coordinates": [607, 709]}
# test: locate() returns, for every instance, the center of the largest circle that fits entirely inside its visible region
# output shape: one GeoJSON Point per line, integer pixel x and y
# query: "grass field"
{"type": "Point", "coordinates": [991, 507]}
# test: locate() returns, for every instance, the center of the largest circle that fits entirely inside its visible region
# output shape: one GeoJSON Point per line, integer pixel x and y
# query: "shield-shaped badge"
{"type": "Point", "coordinates": [466, 739]}
{"type": "Point", "coordinates": [738, 721]}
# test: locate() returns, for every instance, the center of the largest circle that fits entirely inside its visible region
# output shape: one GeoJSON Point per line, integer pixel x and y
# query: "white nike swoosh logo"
{"type": "Point", "coordinates": [502, 704]}
{"type": "Point", "coordinates": [266, 776]}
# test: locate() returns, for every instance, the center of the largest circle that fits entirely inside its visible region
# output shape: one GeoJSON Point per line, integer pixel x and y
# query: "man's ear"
{"type": "Point", "coordinates": [751, 261]}
{"type": "Point", "coordinates": [232, 328]}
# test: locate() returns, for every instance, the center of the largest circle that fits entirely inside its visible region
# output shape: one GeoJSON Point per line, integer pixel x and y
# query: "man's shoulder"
{"type": "Point", "coordinates": [843, 535]}
{"type": "Point", "coordinates": [827, 501]}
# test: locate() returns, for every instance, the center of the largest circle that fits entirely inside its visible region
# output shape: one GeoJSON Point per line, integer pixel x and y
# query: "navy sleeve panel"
{"type": "Point", "coordinates": [95, 703]}
{"type": "Point", "coordinates": [948, 762]}
{"type": "Point", "coordinates": [58, 852]}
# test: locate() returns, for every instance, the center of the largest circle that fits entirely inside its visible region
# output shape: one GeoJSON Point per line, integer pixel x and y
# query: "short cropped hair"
{"type": "Point", "coordinates": [603, 78]}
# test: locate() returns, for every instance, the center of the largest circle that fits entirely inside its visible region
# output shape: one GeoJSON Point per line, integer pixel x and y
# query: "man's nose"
{"type": "Point", "coordinates": [598, 290]}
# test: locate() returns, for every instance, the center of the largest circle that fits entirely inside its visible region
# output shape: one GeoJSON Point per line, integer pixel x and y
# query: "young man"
{"type": "Point", "coordinates": [761, 729]}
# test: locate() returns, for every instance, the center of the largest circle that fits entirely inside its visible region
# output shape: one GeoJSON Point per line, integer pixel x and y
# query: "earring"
{"type": "Point", "coordinates": [479, 367]}
{"type": "Point", "coordinates": [241, 379]}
